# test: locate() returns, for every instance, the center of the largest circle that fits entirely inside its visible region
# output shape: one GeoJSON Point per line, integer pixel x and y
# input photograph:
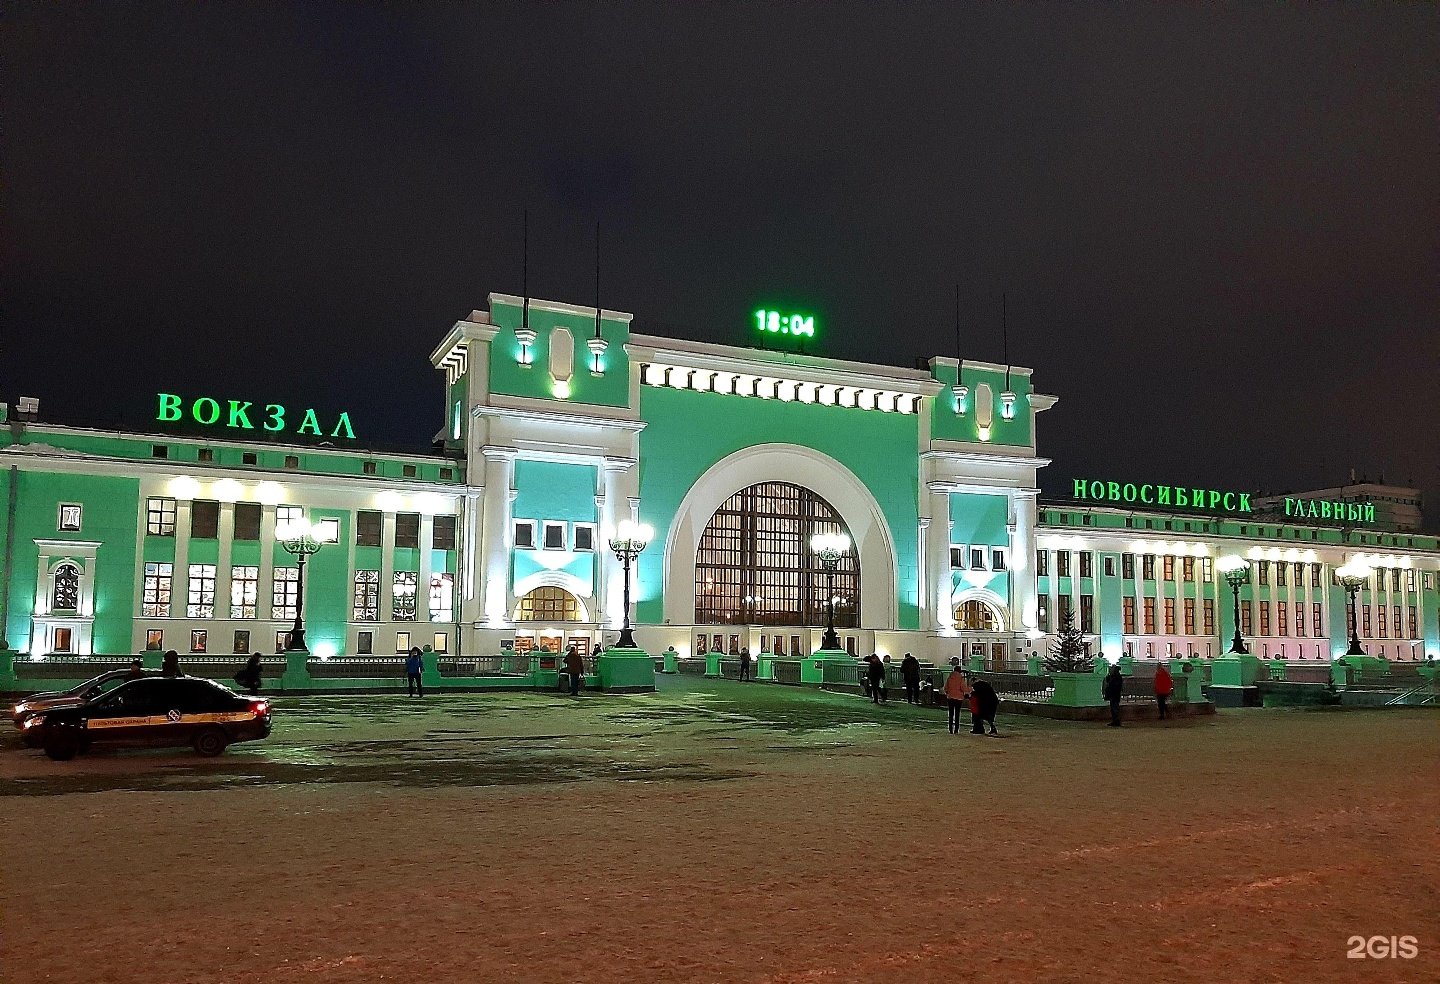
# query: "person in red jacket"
{"type": "Point", "coordinates": [957, 694]}
{"type": "Point", "coordinates": [1164, 687]}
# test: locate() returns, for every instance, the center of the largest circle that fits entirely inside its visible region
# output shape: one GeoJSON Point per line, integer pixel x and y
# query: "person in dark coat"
{"type": "Point", "coordinates": [910, 672]}
{"type": "Point", "coordinates": [876, 674]}
{"type": "Point", "coordinates": [413, 667]}
{"type": "Point", "coordinates": [136, 671]}
{"type": "Point", "coordinates": [745, 665]}
{"type": "Point", "coordinates": [249, 675]}
{"type": "Point", "coordinates": [170, 664]}
{"type": "Point", "coordinates": [575, 670]}
{"type": "Point", "coordinates": [1112, 688]}
{"type": "Point", "coordinates": [987, 702]}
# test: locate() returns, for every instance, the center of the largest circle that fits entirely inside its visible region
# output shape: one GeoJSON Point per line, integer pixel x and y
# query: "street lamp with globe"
{"type": "Point", "coordinates": [1354, 576]}
{"type": "Point", "coordinates": [627, 542]}
{"type": "Point", "coordinates": [1236, 570]}
{"type": "Point", "coordinates": [829, 548]}
{"type": "Point", "coordinates": [302, 538]}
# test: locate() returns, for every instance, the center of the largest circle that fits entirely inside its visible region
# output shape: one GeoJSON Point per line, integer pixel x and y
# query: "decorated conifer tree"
{"type": "Point", "coordinates": [1069, 654]}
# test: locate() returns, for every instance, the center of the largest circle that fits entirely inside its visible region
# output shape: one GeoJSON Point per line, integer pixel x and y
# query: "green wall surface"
{"type": "Point", "coordinates": [507, 375]}
{"type": "Point", "coordinates": [554, 490]}
{"type": "Point", "coordinates": [688, 432]}
{"type": "Point", "coordinates": [947, 425]}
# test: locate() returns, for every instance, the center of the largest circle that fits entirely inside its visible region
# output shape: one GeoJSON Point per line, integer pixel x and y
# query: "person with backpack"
{"type": "Point", "coordinates": [957, 694]}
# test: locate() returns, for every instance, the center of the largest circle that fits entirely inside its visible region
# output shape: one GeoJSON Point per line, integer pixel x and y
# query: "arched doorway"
{"type": "Point", "coordinates": [975, 618]}
{"type": "Point", "coordinates": [754, 564]}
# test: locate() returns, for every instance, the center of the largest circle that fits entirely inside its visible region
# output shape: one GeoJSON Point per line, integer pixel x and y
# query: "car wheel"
{"type": "Point", "coordinates": [211, 742]}
{"type": "Point", "coordinates": [31, 738]}
{"type": "Point", "coordinates": [60, 744]}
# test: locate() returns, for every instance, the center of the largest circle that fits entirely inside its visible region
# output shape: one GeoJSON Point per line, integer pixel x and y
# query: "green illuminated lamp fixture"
{"type": "Point", "coordinates": [627, 542]}
{"type": "Point", "coordinates": [1236, 570]}
{"type": "Point", "coordinates": [1354, 576]}
{"type": "Point", "coordinates": [829, 548]}
{"type": "Point", "coordinates": [301, 539]}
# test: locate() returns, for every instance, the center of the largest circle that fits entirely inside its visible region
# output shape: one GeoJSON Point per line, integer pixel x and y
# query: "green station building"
{"type": "Point", "coordinates": [560, 422]}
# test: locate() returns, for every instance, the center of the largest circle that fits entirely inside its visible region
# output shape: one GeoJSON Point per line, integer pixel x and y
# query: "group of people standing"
{"type": "Point", "coordinates": [979, 698]}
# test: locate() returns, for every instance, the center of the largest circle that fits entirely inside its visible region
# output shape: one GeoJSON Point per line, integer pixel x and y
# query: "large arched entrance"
{"type": "Point", "coordinates": [754, 564]}
{"type": "Point", "coordinates": [977, 616]}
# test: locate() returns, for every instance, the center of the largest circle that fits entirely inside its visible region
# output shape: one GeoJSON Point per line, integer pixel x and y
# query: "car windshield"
{"type": "Point", "coordinates": [105, 682]}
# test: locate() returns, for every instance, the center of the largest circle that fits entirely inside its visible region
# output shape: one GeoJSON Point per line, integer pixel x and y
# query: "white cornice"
{"type": "Point", "coordinates": [945, 360]}
{"type": "Point", "coordinates": [560, 307]}
{"type": "Point", "coordinates": [463, 331]}
{"type": "Point", "coordinates": [980, 454]}
{"type": "Point", "coordinates": [204, 441]}
{"type": "Point", "coordinates": [1043, 401]}
{"type": "Point", "coordinates": [540, 411]}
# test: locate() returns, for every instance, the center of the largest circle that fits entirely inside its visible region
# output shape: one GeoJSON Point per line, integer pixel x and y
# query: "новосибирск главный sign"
{"type": "Point", "coordinates": [1216, 500]}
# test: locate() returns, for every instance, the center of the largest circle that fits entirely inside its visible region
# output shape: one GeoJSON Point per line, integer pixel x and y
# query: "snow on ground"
{"type": "Point", "coordinates": [725, 832]}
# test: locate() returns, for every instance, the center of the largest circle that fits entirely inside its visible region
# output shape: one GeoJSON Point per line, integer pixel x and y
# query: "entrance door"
{"type": "Point", "coordinates": [997, 656]}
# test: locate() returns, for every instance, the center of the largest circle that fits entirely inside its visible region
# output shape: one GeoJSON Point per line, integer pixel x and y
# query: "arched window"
{"type": "Point", "coordinates": [66, 594]}
{"type": "Point", "coordinates": [548, 605]}
{"type": "Point", "coordinates": [754, 564]}
{"type": "Point", "coordinates": [976, 616]}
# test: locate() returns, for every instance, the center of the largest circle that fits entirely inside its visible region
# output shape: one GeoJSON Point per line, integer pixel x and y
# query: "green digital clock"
{"type": "Point", "coordinates": [775, 323]}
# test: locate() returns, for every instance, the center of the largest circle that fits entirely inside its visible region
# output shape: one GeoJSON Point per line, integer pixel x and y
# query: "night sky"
{"type": "Point", "coordinates": [1217, 228]}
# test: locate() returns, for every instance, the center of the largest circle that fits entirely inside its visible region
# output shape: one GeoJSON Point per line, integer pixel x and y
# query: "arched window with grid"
{"type": "Point", "coordinates": [548, 604]}
{"type": "Point", "coordinates": [754, 565]}
{"type": "Point", "coordinates": [66, 594]}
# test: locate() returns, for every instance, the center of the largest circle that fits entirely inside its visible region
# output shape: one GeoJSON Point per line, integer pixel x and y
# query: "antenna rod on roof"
{"type": "Point", "coordinates": [959, 358]}
{"type": "Point", "coordinates": [597, 279]}
{"type": "Point", "coordinates": [525, 268]}
{"type": "Point", "coordinates": [1005, 338]}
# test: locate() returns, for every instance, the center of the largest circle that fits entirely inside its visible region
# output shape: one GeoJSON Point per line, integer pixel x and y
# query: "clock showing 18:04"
{"type": "Point", "coordinates": [775, 323]}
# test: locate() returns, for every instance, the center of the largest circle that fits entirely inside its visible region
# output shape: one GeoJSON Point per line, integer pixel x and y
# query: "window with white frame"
{"type": "Point", "coordinates": [244, 590]}
{"type": "Point", "coordinates": [367, 596]}
{"type": "Point", "coordinates": [284, 593]}
{"type": "Point", "coordinates": [288, 514]}
{"type": "Point", "coordinates": [554, 536]}
{"type": "Point", "coordinates": [442, 642]}
{"type": "Point", "coordinates": [200, 598]}
{"type": "Point", "coordinates": [159, 517]}
{"type": "Point", "coordinates": [199, 640]}
{"type": "Point", "coordinates": [524, 534]}
{"type": "Point", "coordinates": [155, 592]}
{"type": "Point", "coordinates": [957, 558]}
{"type": "Point", "coordinates": [977, 558]}
{"type": "Point", "coordinates": [442, 591]}
{"type": "Point", "coordinates": [403, 594]}
{"type": "Point", "coordinates": [997, 559]}
{"type": "Point", "coordinates": [584, 537]}
{"type": "Point", "coordinates": [402, 642]}
{"type": "Point", "coordinates": [65, 593]}
{"type": "Point", "coordinates": [68, 520]}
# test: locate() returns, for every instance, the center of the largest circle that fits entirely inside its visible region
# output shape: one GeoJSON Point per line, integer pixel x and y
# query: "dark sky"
{"type": "Point", "coordinates": [1218, 227]}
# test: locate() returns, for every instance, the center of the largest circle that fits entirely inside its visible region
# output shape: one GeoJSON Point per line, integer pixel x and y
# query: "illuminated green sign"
{"type": "Point", "coordinates": [1216, 500]}
{"type": "Point", "coordinates": [775, 323]}
{"type": "Point", "coordinates": [243, 415]}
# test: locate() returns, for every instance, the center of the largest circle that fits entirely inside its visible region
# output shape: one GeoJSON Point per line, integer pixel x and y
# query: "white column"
{"type": "Point", "coordinates": [1023, 588]}
{"type": "Point", "coordinates": [180, 573]}
{"type": "Point", "coordinates": [610, 586]}
{"type": "Point", "coordinates": [422, 579]}
{"type": "Point", "coordinates": [496, 533]}
{"type": "Point", "coordinates": [922, 571]}
{"type": "Point", "coordinates": [387, 567]}
{"type": "Point", "coordinates": [265, 583]}
{"type": "Point", "coordinates": [226, 533]}
{"type": "Point", "coordinates": [941, 580]}
{"type": "Point", "coordinates": [471, 530]}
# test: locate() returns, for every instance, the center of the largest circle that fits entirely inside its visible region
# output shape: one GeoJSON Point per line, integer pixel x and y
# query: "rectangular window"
{"type": "Point", "coordinates": [1264, 618]}
{"type": "Point", "coordinates": [204, 519]}
{"type": "Point", "coordinates": [584, 537]}
{"type": "Point", "coordinates": [407, 530]}
{"type": "Point", "coordinates": [365, 643]}
{"type": "Point", "coordinates": [524, 534]}
{"type": "Point", "coordinates": [1414, 634]}
{"type": "Point", "coordinates": [1187, 568]}
{"type": "Point", "coordinates": [1207, 570]}
{"type": "Point", "coordinates": [1381, 622]}
{"type": "Point", "coordinates": [249, 458]}
{"type": "Point", "coordinates": [1280, 575]}
{"type": "Point", "coordinates": [1127, 612]}
{"type": "Point", "coordinates": [367, 528]}
{"type": "Point", "coordinates": [402, 642]}
{"type": "Point", "coordinates": [1189, 616]}
{"type": "Point", "coordinates": [155, 593]}
{"type": "Point", "coordinates": [1300, 616]}
{"type": "Point", "coordinates": [159, 517]}
{"type": "Point", "coordinates": [199, 639]}
{"type": "Point", "coordinates": [1410, 581]}
{"type": "Point", "coordinates": [368, 468]}
{"type": "Point", "coordinates": [977, 559]}
{"type": "Point", "coordinates": [282, 639]}
{"type": "Point", "coordinates": [1394, 579]}
{"type": "Point", "coordinates": [1150, 626]}
{"type": "Point", "coordinates": [200, 597]}
{"type": "Point", "coordinates": [1109, 566]}
{"type": "Point", "coordinates": [1282, 615]}
{"type": "Point", "coordinates": [284, 592]}
{"type": "Point", "coordinates": [1395, 621]}
{"type": "Point", "coordinates": [1147, 567]}
{"type": "Point", "coordinates": [1207, 612]}
{"type": "Point", "coordinates": [442, 533]}
{"type": "Point", "coordinates": [1247, 620]}
{"type": "Point", "coordinates": [1169, 568]}
{"type": "Point", "coordinates": [1317, 620]}
{"type": "Point", "coordinates": [446, 474]}
{"type": "Point", "coordinates": [247, 521]}
{"type": "Point", "coordinates": [1087, 612]}
{"type": "Point", "coordinates": [1042, 563]}
{"type": "Point", "coordinates": [1299, 573]}
{"type": "Point", "coordinates": [1067, 610]}
{"type": "Point", "coordinates": [154, 638]}
{"type": "Point", "coordinates": [68, 520]}
{"type": "Point", "coordinates": [367, 596]}
{"type": "Point", "coordinates": [1044, 619]}
{"type": "Point", "coordinates": [1086, 569]}
{"type": "Point", "coordinates": [442, 642]}
{"type": "Point", "coordinates": [159, 451]}
{"type": "Point", "coordinates": [244, 591]}
{"type": "Point", "coordinates": [288, 514]}
{"type": "Point", "coordinates": [62, 640]}
{"type": "Point", "coordinates": [242, 641]}
{"type": "Point", "coordinates": [292, 461]}
{"type": "Point", "coordinates": [403, 596]}
{"type": "Point", "coordinates": [997, 559]}
{"type": "Point", "coordinates": [1263, 571]}
{"type": "Point", "coordinates": [1169, 616]}
{"type": "Point", "coordinates": [1127, 566]}
{"type": "Point", "coordinates": [407, 471]}
{"type": "Point", "coordinates": [957, 558]}
{"type": "Point", "coordinates": [1062, 563]}
{"type": "Point", "coordinates": [442, 595]}
{"type": "Point", "coordinates": [554, 536]}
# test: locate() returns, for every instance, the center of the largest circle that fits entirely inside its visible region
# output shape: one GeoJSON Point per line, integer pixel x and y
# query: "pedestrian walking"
{"type": "Point", "coordinates": [1112, 688]}
{"type": "Point", "coordinates": [1164, 687]}
{"type": "Point", "coordinates": [957, 694]}
{"type": "Point", "coordinates": [745, 664]}
{"type": "Point", "coordinates": [876, 673]}
{"type": "Point", "coordinates": [575, 668]}
{"type": "Point", "coordinates": [413, 666]}
{"type": "Point", "coordinates": [170, 664]}
{"type": "Point", "coordinates": [249, 675]}
{"type": "Point", "coordinates": [910, 672]}
{"type": "Point", "coordinates": [987, 702]}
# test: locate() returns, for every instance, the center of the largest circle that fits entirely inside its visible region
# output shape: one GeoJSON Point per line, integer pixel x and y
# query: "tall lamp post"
{"type": "Point", "coordinates": [1354, 576]}
{"type": "Point", "coordinates": [1237, 571]}
{"type": "Point", "coordinates": [628, 540]}
{"type": "Point", "coordinates": [301, 538]}
{"type": "Point", "coordinates": [829, 548]}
